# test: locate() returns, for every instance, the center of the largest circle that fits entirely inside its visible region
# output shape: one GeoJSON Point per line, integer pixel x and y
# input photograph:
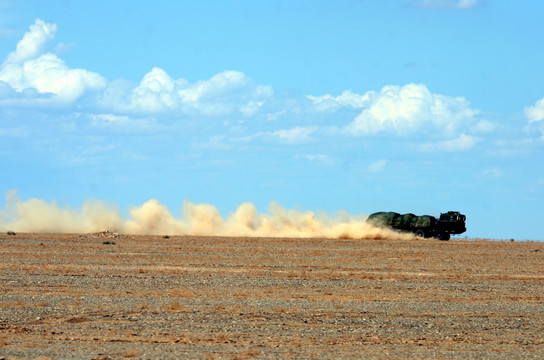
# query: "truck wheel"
{"type": "Point", "coordinates": [441, 235]}
{"type": "Point", "coordinates": [420, 233]}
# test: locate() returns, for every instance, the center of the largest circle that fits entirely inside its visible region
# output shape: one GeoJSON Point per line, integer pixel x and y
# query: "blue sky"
{"type": "Point", "coordinates": [410, 106]}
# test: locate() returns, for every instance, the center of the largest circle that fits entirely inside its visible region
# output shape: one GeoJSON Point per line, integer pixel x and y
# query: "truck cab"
{"type": "Point", "coordinates": [451, 222]}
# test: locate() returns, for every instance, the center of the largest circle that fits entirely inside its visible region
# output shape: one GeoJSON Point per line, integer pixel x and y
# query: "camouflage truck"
{"type": "Point", "coordinates": [450, 223]}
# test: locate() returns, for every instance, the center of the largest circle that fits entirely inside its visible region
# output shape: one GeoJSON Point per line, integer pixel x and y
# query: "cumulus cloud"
{"type": "Point", "coordinates": [33, 42]}
{"type": "Point", "coordinates": [227, 82]}
{"type": "Point", "coordinates": [29, 75]}
{"type": "Point", "coordinates": [536, 112]}
{"type": "Point", "coordinates": [44, 73]}
{"type": "Point", "coordinates": [445, 4]}
{"type": "Point", "coordinates": [404, 110]}
{"type": "Point", "coordinates": [226, 92]}
{"type": "Point", "coordinates": [155, 92]}
{"type": "Point", "coordinates": [346, 99]}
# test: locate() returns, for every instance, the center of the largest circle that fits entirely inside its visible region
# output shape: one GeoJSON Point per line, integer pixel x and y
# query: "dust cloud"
{"type": "Point", "coordinates": [153, 218]}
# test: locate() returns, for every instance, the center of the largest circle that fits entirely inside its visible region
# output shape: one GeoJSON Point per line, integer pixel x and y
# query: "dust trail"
{"type": "Point", "coordinates": [153, 218]}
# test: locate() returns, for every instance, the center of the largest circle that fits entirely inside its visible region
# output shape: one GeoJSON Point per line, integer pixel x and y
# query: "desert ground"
{"type": "Point", "coordinates": [110, 296]}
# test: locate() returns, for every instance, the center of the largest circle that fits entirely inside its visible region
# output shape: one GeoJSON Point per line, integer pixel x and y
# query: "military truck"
{"type": "Point", "coordinates": [426, 226]}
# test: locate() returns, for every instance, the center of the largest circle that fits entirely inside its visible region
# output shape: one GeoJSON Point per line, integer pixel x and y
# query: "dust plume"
{"type": "Point", "coordinates": [153, 218]}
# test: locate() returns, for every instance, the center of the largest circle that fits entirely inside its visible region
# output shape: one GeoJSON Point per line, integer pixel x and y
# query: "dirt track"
{"type": "Point", "coordinates": [72, 296]}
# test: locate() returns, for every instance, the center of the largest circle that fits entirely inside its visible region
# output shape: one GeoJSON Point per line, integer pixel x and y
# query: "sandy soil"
{"type": "Point", "coordinates": [97, 296]}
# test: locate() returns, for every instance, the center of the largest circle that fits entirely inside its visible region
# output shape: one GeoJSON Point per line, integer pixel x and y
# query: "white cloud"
{"type": "Point", "coordinates": [462, 143]}
{"type": "Point", "coordinates": [251, 108]}
{"type": "Point", "coordinates": [26, 69]}
{"type": "Point", "coordinates": [124, 123]}
{"type": "Point", "coordinates": [29, 76]}
{"type": "Point", "coordinates": [483, 126]}
{"type": "Point", "coordinates": [536, 112]}
{"type": "Point", "coordinates": [446, 4]}
{"type": "Point", "coordinates": [33, 42]}
{"type": "Point", "coordinates": [226, 92]}
{"type": "Point", "coordinates": [109, 119]}
{"type": "Point", "coordinates": [219, 85]}
{"type": "Point", "coordinates": [49, 74]}
{"type": "Point", "coordinates": [409, 109]}
{"type": "Point", "coordinates": [346, 99]}
{"type": "Point", "coordinates": [295, 135]}
{"type": "Point", "coordinates": [155, 93]}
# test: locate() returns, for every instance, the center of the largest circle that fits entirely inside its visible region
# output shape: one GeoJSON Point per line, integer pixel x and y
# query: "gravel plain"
{"type": "Point", "coordinates": [111, 296]}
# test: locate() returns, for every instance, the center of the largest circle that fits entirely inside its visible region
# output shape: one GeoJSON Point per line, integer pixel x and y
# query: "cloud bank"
{"type": "Point", "coordinates": [41, 77]}
{"type": "Point", "coordinates": [32, 76]}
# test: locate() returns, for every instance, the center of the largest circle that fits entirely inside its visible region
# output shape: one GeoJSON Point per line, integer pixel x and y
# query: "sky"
{"type": "Point", "coordinates": [420, 106]}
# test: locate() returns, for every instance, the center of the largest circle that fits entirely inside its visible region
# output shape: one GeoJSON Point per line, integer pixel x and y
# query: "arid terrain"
{"type": "Point", "coordinates": [109, 296]}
